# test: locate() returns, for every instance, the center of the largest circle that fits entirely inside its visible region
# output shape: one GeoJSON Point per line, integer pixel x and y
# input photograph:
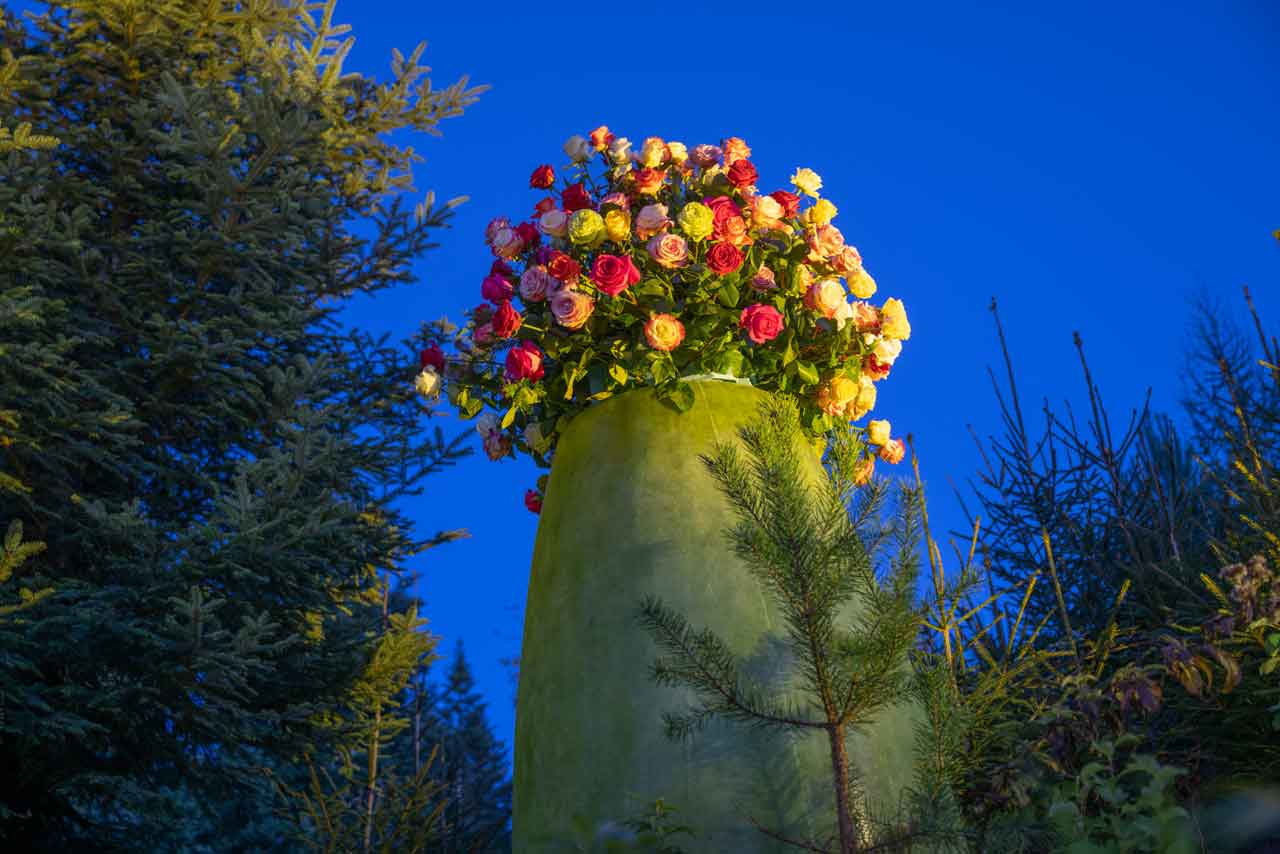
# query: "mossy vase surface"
{"type": "Point", "coordinates": [630, 511]}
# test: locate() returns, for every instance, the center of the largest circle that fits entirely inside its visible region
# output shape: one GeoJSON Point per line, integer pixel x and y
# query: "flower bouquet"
{"type": "Point", "coordinates": [653, 266]}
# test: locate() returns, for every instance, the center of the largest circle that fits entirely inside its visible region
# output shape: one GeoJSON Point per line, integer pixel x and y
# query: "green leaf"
{"type": "Point", "coordinates": [727, 294]}
{"type": "Point", "coordinates": [509, 417]}
{"type": "Point", "coordinates": [789, 351]}
{"type": "Point", "coordinates": [807, 373]}
{"type": "Point", "coordinates": [618, 373]}
{"type": "Point", "coordinates": [682, 396]}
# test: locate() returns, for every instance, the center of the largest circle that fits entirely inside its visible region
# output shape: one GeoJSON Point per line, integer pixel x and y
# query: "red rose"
{"type": "Point", "coordinates": [575, 198]}
{"type": "Point", "coordinates": [528, 233]}
{"type": "Point", "coordinates": [563, 267]}
{"type": "Point", "coordinates": [432, 356]}
{"type": "Point", "coordinates": [500, 268]}
{"type": "Point", "coordinates": [506, 320]}
{"type": "Point", "coordinates": [524, 363]}
{"type": "Point", "coordinates": [722, 206]}
{"type": "Point", "coordinates": [742, 174]}
{"type": "Point", "coordinates": [482, 313]}
{"type": "Point", "coordinates": [533, 501]}
{"type": "Point", "coordinates": [547, 204]}
{"type": "Point", "coordinates": [790, 202]}
{"type": "Point", "coordinates": [762, 322]}
{"type": "Point", "coordinates": [542, 178]}
{"type": "Point", "coordinates": [496, 289]}
{"type": "Point", "coordinates": [724, 258]}
{"type": "Point", "coordinates": [613, 274]}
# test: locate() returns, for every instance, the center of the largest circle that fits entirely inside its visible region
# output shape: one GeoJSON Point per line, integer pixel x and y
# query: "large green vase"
{"type": "Point", "coordinates": [629, 512]}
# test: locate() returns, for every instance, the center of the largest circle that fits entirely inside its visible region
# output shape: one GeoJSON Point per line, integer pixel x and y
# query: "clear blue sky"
{"type": "Point", "coordinates": [1090, 165]}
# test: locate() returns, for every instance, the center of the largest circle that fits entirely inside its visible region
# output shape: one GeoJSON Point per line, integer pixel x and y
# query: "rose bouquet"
{"type": "Point", "coordinates": [648, 267]}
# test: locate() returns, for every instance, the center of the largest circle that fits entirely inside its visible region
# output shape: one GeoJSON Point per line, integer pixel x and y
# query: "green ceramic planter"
{"type": "Point", "coordinates": [630, 511]}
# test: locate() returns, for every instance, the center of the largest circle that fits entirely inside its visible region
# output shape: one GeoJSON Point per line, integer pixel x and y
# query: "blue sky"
{"type": "Point", "coordinates": [1089, 165]}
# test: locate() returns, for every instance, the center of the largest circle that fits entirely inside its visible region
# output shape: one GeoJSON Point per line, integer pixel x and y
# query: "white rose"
{"type": "Point", "coordinates": [578, 148]}
{"type": "Point", "coordinates": [807, 181]}
{"type": "Point", "coordinates": [620, 150]}
{"type": "Point", "coordinates": [844, 313]}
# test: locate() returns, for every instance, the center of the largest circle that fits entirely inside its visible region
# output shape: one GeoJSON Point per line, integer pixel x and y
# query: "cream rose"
{"type": "Point", "coordinates": [554, 223]}
{"type": "Point", "coordinates": [578, 148]}
{"type": "Point", "coordinates": [807, 182]}
{"type": "Point", "coordinates": [825, 297]}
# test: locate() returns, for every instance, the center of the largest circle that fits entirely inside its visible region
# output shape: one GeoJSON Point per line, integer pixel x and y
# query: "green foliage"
{"type": "Point", "coordinates": [211, 459]}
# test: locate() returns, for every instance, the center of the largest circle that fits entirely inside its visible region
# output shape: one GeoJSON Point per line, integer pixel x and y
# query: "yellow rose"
{"type": "Point", "coordinates": [864, 401]}
{"type": "Point", "coordinates": [617, 225]}
{"type": "Point", "coordinates": [862, 285]}
{"type": "Point", "coordinates": [807, 182]}
{"type": "Point", "coordinates": [820, 214]}
{"type": "Point", "coordinates": [893, 320]}
{"type": "Point", "coordinates": [878, 432]}
{"type": "Point", "coordinates": [652, 152]}
{"type": "Point", "coordinates": [586, 228]}
{"type": "Point", "coordinates": [696, 220]}
{"type": "Point", "coordinates": [835, 397]}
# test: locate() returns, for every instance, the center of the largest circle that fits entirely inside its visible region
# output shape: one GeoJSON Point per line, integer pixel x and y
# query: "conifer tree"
{"type": "Point", "coordinates": [473, 765]}
{"type": "Point", "coordinates": [209, 456]}
{"type": "Point", "coordinates": [810, 544]}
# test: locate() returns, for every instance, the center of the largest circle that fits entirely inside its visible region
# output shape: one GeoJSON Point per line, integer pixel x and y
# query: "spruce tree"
{"type": "Point", "coordinates": [210, 458]}
{"type": "Point", "coordinates": [812, 545]}
{"type": "Point", "coordinates": [473, 765]}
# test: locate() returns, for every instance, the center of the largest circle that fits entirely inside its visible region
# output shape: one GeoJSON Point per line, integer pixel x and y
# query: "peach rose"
{"type": "Point", "coordinates": [571, 308]}
{"type": "Point", "coordinates": [866, 317]}
{"type": "Point", "coordinates": [649, 181]}
{"type": "Point", "coordinates": [651, 220]}
{"type": "Point", "coordinates": [824, 241]}
{"type": "Point", "coordinates": [893, 451]}
{"type": "Point", "coordinates": [663, 332]}
{"type": "Point", "coordinates": [863, 402]}
{"type": "Point", "coordinates": [668, 250]}
{"type": "Point", "coordinates": [825, 297]}
{"type": "Point", "coordinates": [734, 150]}
{"type": "Point", "coordinates": [600, 138]}
{"type": "Point", "coordinates": [847, 262]}
{"type": "Point", "coordinates": [767, 214]}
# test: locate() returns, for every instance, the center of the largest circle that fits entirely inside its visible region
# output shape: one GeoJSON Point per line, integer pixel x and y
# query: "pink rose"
{"type": "Point", "coordinates": [622, 200]}
{"type": "Point", "coordinates": [668, 250]}
{"type": "Point", "coordinates": [496, 445]}
{"type": "Point", "coordinates": [495, 225]}
{"type": "Point", "coordinates": [534, 282]}
{"type": "Point", "coordinates": [484, 335]}
{"type": "Point", "coordinates": [762, 322]}
{"type": "Point", "coordinates": [705, 155]}
{"type": "Point", "coordinates": [524, 363]}
{"type": "Point", "coordinates": [764, 280]}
